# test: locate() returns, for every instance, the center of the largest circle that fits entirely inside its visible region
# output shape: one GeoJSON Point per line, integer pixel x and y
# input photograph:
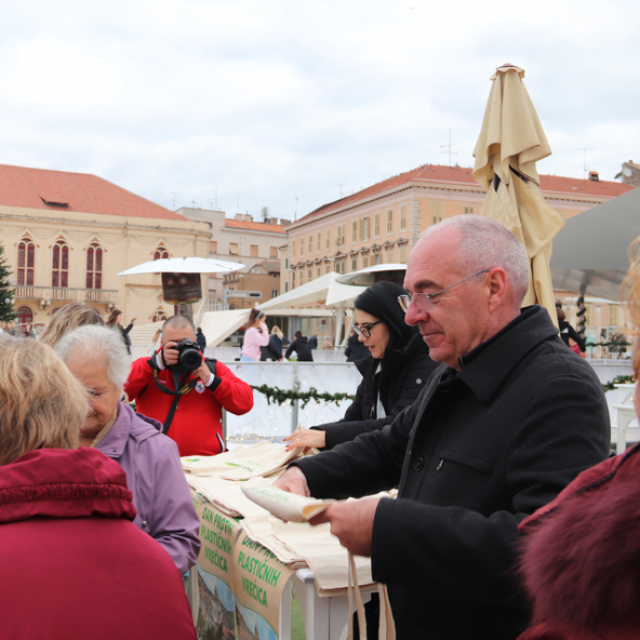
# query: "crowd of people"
{"type": "Point", "coordinates": [511, 519]}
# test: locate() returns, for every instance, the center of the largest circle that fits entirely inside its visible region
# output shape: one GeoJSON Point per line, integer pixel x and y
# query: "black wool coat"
{"type": "Point", "coordinates": [301, 347]}
{"type": "Point", "coordinates": [404, 374]}
{"type": "Point", "coordinates": [356, 350]}
{"type": "Point", "coordinates": [478, 451]}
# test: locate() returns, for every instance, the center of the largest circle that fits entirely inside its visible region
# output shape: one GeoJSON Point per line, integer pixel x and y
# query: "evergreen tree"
{"type": "Point", "coordinates": [6, 291]}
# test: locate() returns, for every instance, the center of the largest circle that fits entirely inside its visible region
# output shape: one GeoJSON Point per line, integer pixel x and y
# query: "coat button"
{"type": "Point", "coordinates": [418, 380]}
{"type": "Point", "coordinates": [418, 464]}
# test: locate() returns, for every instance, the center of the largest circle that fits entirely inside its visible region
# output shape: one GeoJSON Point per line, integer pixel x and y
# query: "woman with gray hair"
{"type": "Point", "coordinates": [98, 358]}
{"type": "Point", "coordinates": [73, 564]}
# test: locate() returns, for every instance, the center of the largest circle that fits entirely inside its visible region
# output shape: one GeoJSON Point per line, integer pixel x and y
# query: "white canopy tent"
{"type": "Point", "coordinates": [183, 265]}
{"type": "Point", "coordinates": [325, 288]}
{"type": "Point", "coordinates": [219, 325]}
{"type": "Point", "coordinates": [370, 275]}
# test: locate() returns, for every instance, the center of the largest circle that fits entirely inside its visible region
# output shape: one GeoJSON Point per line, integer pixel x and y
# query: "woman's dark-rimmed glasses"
{"type": "Point", "coordinates": [365, 329]}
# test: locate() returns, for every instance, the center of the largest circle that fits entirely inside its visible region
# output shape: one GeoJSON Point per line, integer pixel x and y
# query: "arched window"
{"type": "Point", "coordinates": [94, 266]}
{"type": "Point", "coordinates": [159, 316]}
{"type": "Point", "coordinates": [26, 261]}
{"type": "Point", "coordinates": [161, 253]}
{"type": "Point", "coordinates": [60, 275]}
{"type": "Point", "coordinates": [24, 315]}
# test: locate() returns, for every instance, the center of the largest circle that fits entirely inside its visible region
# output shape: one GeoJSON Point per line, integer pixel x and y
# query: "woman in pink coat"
{"type": "Point", "coordinates": [256, 336]}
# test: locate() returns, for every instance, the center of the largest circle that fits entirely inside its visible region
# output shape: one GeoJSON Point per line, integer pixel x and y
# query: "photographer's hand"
{"type": "Point", "coordinates": [169, 353]}
{"type": "Point", "coordinates": [204, 373]}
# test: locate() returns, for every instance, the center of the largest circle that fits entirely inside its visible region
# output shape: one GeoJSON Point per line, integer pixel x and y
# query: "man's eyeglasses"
{"type": "Point", "coordinates": [365, 329]}
{"type": "Point", "coordinates": [424, 301]}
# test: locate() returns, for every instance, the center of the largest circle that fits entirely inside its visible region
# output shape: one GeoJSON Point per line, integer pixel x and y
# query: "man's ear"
{"type": "Point", "coordinates": [497, 288]}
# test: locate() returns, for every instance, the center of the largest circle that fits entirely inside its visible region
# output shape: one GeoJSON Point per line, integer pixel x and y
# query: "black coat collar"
{"type": "Point", "coordinates": [486, 367]}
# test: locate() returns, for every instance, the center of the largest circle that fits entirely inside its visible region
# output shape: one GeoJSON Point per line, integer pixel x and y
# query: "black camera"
{"type": "Point", "coordinates": [189, 356]}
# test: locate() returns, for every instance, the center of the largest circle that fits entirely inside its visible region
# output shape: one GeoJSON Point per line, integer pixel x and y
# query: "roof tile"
{"type": "Point", "coordinates": [464, 175]}
{"type": "Point", "coordinates": [253, 226]}
{"type": "Point", "coordinates": [79, 192]}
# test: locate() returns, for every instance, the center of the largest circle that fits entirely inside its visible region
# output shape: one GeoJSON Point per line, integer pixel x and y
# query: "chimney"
{"type": "Point", "coordinates": [594, 176]}
{"type": "Point", "coordinates": [238, 216]}
{"type": "Point", "coordinates": [248, 217]}
{"type": "Point", "coordinates": [272, 221]}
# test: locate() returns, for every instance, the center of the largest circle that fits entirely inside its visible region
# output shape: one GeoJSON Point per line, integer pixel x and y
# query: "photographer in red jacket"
{"type": "Point", "coordinates": [187, 392]}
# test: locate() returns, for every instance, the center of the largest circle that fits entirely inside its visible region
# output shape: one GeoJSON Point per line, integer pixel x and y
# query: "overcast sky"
{"type": "Point", "coordinates": [278, 99]}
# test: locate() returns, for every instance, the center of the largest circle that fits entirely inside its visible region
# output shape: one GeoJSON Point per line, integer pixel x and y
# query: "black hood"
{"type": "Point", "coordinates": [381, 301]}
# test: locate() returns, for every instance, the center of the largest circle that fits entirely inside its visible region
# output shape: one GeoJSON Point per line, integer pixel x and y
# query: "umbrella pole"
{"type": "Point", "coordinates": [339, 323]}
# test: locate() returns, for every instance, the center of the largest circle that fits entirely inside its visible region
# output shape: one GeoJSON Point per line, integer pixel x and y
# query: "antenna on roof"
{"type": "Point", "coordinates": [174, 200]}
{"type": "Point", "coordinates": [239, 193]}
{"type": "Point", "coordinates": [295, 212]}
{"type": "Point", "coordinates": [215, 186]}
{"type": "Point", "coordinates": [341, 184]}
{"type": "Point", "coordinates": [448, 148]}
{"type": "Point", "coordinates": [584, 159]}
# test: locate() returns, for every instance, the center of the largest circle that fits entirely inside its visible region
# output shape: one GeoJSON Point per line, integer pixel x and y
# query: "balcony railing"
{"type": "Point", "coordinates": [67, 294]}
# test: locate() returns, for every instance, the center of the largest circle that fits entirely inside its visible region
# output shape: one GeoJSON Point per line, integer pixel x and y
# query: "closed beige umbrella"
{"type": "Point", "coordinates": [511, 142]}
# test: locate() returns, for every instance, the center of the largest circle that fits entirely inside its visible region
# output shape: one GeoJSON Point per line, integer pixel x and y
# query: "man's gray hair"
{"type": "Point", "coordinates": [92, 342]}
{"type": "Point", "coordinates": [179, 322]}
{"type": "Point", "coordinates": [486, 244]}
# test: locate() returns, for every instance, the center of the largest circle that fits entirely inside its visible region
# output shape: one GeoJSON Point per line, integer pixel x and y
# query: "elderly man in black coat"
{"type": "Point", "coordinates": [506, 421]}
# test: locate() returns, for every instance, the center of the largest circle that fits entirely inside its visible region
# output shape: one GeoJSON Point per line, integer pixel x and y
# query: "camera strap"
{"type": "Point", "coordinates": [183, 390]}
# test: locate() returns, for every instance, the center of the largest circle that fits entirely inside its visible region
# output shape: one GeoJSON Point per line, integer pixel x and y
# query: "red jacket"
{"type": "Point", "coordinates": [581, 559]}
{"type": "Point", "coordinates": [73, 564]}
{"type": "Point", "coordinates": [197, 422]}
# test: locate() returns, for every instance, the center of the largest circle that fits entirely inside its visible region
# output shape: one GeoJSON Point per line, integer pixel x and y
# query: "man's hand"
{"type": "Point", "coordinates": [293, 481]}
{"type": "Point", "coordinates": [203, 372]}
{"type": "Point", "coordinates": [352, 523]}
{"type": "Point", "coordinates": [169, 353]}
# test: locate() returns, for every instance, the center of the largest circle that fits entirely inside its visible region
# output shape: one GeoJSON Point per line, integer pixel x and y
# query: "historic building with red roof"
{"type": "Point", "coordinates": [66, 236]}
{"type": "Point", "coordinates": [373, 226]}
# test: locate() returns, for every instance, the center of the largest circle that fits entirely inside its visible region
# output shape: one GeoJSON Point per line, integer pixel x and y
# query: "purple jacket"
{"type": "Point", "coordinates": [160, 492]}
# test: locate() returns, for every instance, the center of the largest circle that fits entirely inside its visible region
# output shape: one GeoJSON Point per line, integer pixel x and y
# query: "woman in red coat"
{"type": "Point", "coordinates": [72, 562]}
{"type": "Point", "coordinates": [581, 560]}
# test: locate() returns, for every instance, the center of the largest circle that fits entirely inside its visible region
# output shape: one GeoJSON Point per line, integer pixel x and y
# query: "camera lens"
{"type": "Point", "coordinates": [190, 359]}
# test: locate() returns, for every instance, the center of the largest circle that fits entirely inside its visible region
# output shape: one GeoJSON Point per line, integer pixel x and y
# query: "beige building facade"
{"type": "Point", "coordinates": [238, 239]}
{"type": "Point", "coordinates": [381, 223]}
{"type": "Point", "coordinates": [262, 278]}
{"type": "Point", "coordinates": [67, 235]}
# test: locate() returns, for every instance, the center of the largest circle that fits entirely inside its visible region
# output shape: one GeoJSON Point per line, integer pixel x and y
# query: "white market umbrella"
{"type": "Point", "coordinates": [183, 265]}
{"type": "Point", "coordinates": [369, 275]}
{"type": "Point", "coordinates": [325, 288]}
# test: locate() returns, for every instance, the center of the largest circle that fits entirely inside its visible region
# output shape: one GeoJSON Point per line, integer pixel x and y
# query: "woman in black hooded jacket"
{"type": "Point", "coordinates": [393, 374]}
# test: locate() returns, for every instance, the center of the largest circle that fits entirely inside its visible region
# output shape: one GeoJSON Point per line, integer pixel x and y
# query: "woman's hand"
{"type": "Point", "coordinates": [263, 326]}
{"type": "Point", "coordinates": [307, 438]}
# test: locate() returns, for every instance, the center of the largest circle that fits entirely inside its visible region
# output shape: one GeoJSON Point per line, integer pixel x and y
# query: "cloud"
{"type": "Point", "coordinates": [279, 99]}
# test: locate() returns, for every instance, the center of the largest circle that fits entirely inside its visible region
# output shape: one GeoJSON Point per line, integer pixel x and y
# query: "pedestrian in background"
{"type": "Point", "coordinates": [256, 336]}
{"type": "Point", "coordinates": [301, 346]}
{"type": "Point", "coordinates": [355, 350]}
{"type": "Point", "coordinates": [200, 338]}
{"type": "Point", "coordinates": [115, 322]}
